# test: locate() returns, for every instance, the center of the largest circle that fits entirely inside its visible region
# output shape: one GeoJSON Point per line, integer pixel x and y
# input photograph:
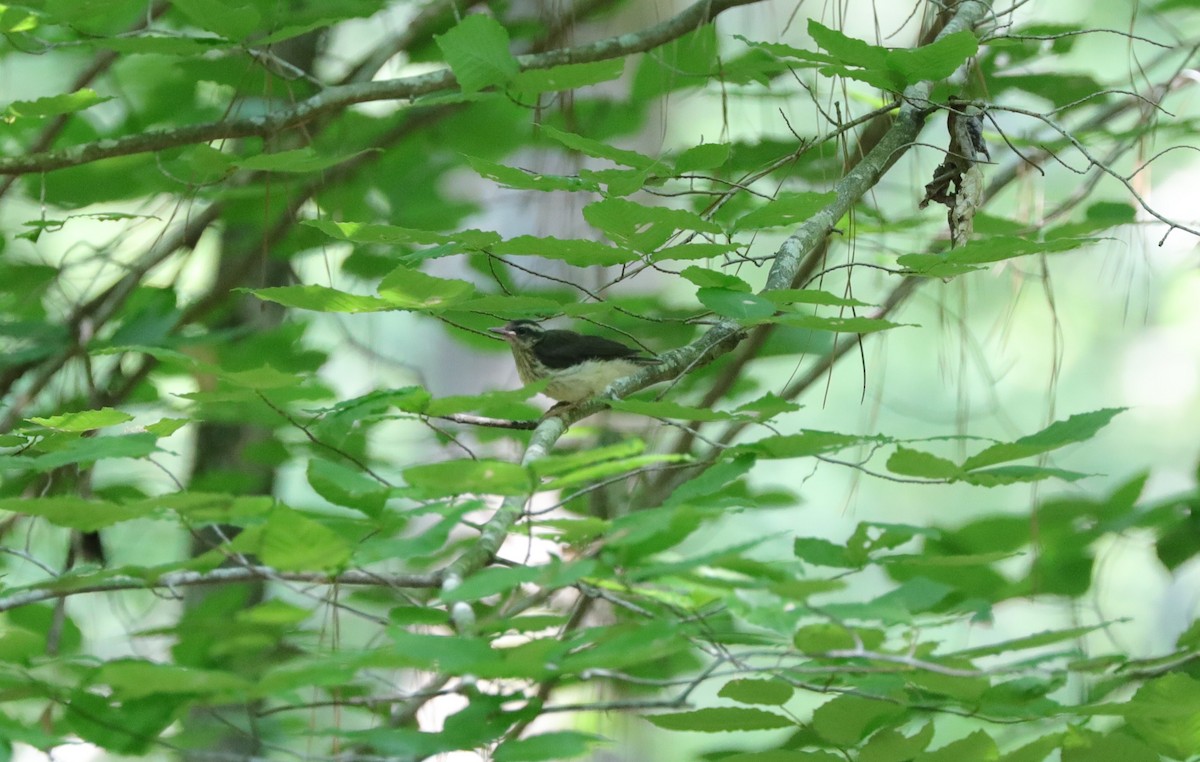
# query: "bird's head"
{"type": "Point", "coordinates": [520, 333]}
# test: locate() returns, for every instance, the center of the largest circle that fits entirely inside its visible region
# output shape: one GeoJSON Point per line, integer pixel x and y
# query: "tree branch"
{"type": "Point", "coordinates": [339, 97]}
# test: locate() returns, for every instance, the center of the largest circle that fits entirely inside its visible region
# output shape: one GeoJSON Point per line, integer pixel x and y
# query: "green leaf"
{"type": "Point", "coordinates": [721, 720]}
{"type": "Point", "coordinates": [128, 727]}
{"type": "Point", "coordinates": [977, 746]}
{"type": "Point", "coordinates": [784, 755]}
{"type": "Point", "coordinates": [451, 653]}
{"type": "Point", "coordinates": [546, 747]}
{"type": "Point", "coordinates": [55, 105]}
{"type": "Point", "coordinates": [457, 477]}
{"type": "Point", "coordinates": [1165, 712]}
{"type": "Point", "coordinates": [609, 468]}
{"type": "Point", "coordinates": [293, 542]}
{"type": "Point", "coordinates": [847, 49]}
{"type": "Point", "coordinates": [75, 512]}
{"type": "Point", "coordinates": [1037, 640]}
{"type": "Point", "coordinates": [827, 636]}
{"type": "Point", "coordinates": [1005, 475]}
{"type": "Point", "coordinates": [262, 377]}
{"type": "Point", "coordinates": [643, 228]}
{"type": "Point", "coordinates": [166, 426]}
{"type": "Point", "coordinates": [705, 156]}
{"type": "Point", "coordinates": [345, 486]}
{"type": "Point", "coordinates": [667, 409]}
{"type": "Point", "coordinates": [414, 290]}
{"type": "Point", "coordinates": [84, 420]}
{"type": "Point", "coordinates": [710, 481]}
{"type": "Point", "coordinates": [1077, 428]}
{"type": "Point", "coordinates": [908, 462]}
{"type": "Point", "coordinates": [688, 61]}
{"type": "Point", "coordinates": [835, 324]}
{"type": "Point", "coordinates": [937, 60]}
{"type": "Point", "coordinates": [135, 679]}
{"type": "Point", "coordinates": [204, 508]}
{"type": "Point", "coordinates": [92, 449]}
{"type": "Point", "coordinates": [580, 253]}
{"type": "Point", "coordinates": [422, 615]}
{"type": "Point", "coordinates": [234, 23]}
{"type": "Point", "coordinates": [1083, 745]}
{"type": "Point", "coordinates": [706, 278]}
{"type": "Point", "coordinates": [476, 50]}
{"type": "Point", "coordinates": [364, 232]}
{"type": "Point", "coordinates": [767, 406]}
{"type": "Point", "coordinates": [815, 550]}
{"type": "Point", "coordinates": [1038, 750]}
{"type": "Point", "coordinates": [811, 296]}
{"type": "Point", "coordinates": [785, 209]}
{"type": "Point", "coordinates": [913, 596]}
{"type": "Point", "coordinates": [511, 177]}
{"type": "Point", "coordinates": [274, 612]}
{"type": "Point", "coordinates": [983, 251]}
{"type": "Point", "coordinates": [767, 692]}
{"type": "Point", "coordinates": [807, 443]}
{"type": "Point", "coordinates": [492, 581]}
{"type": "Point", "coordinates": [887, 69]}
{"type": "Point", "coordinates": [738, 305]}
{"type": "Point", "coordinates": [566, 463]}
{"type": "Point", "coordinates": [321, 299]}
{"type": "Point", "coordinates": [1099, 216]}
{"type": "Point", "coordinates": [568, 76]}
{"type": "Point", "coordinates": [889, 745]}
{"type": "Point", "coordinates": [686, 251]}
{"type": "Point", "coordinates": [299, 160]}
{"type": "Point", "coordinates": [17, 20]}
{"type": "Point", "coordinates": [598, 149]}
{"type": "Point", "coordinates": [847, 719]}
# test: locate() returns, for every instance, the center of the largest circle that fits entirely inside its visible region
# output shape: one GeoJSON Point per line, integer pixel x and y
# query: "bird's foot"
{"type": "Point", "coordinates": [558, 409]}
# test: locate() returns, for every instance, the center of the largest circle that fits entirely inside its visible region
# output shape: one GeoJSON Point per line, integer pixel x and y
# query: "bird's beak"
{"type": "Point", "coordinates": [506, 333]}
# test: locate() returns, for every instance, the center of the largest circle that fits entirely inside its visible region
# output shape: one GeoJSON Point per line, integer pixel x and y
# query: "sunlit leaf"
{"type": "Point", "coordinates": [84, 420]}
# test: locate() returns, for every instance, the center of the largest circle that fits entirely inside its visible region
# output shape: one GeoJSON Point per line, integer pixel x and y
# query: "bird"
{"type": "Point", "coordinates": [578, 366]}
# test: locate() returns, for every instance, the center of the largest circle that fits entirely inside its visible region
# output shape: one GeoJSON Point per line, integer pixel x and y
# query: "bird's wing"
{"type": "Point", "coordinates": [559, 352]}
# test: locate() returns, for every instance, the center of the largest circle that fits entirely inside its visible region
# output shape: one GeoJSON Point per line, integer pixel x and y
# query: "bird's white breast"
{"type": "Point", "coordinates": [587, 379]}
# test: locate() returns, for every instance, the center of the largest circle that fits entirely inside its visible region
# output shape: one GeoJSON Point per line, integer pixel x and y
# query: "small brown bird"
{"type": "Point", "coordinates": [578, 366]}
